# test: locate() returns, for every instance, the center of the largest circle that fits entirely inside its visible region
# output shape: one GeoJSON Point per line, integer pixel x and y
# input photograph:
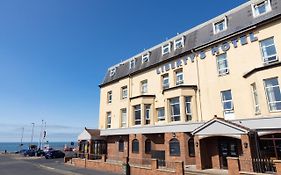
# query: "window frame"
{"type": "Point", "coordinates": [255, 97]}
{"type": "Point", "coordinates": [164, 47]}
{"type": "Point", "coordinates": [112, 71]}
{"type": "Point", "coordinates": [145, 58]}
{"type": "Point", "coordinates": [188, 113]}
{"type": "Point", "coordinates": [268, 8]}
{"type": "Point", "coordinates": [121, 145]}
{"type": "Point", "coordinates": [147, 109]}
{"type": "Point", "coordinates": [226, 101]}
{"type": "Point", "coordinates": [225, 70]}
{"type": "Point", "coordinates": [135, 146]}
{"type": "Point", "coordinates": [175, 144]}
{"type": "Point", "coordinates": [172, 112]}
{"type": "Point", "coordinates": [109, 97]}
{"type": "Point", "coordinates": [191, 147]}
{"type": "Point", "coordinates": [177, 73]}
{"type": "Point", "coordinates": [147, 146]}
{"type": "Point", "coordinates": [266, 93]}
{"type": "Point", "coordinates": [135, 112]}
{"type": "Point", "coordinates": [124, 119]}
{"type": "Point", "coordinates": [262, 53]}
{"type": "Point", "coordinates": [132, 63]}
{"type": "Point", "coordinates": [179, 40]}
{"type": "Point", "coordinates": [144, 86]}
{"type": "Point", "coordinates": [123, 94]}
{"type": "Point", "coordinates": [162, 118]}
{"type": "Point", "coordinates": [165, 77]}
{"type": "Point", "coordinates": [108, 119]}
{"type": "Point", "coordinates": [221, 21]}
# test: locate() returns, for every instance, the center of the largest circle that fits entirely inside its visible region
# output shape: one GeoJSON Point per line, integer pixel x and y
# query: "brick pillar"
{"type": "Point", "coordinates": [103, 158]}
{"type": "Point", "coordinates": [278, 166]}
{"type": "Point", "coordinates": [246, 157]}
{"type": "Point", "coordinates": [233, 165]}
{"type": "Point", "coordinates": [198, 153]}
{"type": "Point", "coordinates": [179, 168]}
{"type": "Point", "coordinates": [154, 164]}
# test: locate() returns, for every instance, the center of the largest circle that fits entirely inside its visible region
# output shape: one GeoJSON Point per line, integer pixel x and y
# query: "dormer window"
{"type": "Point", "coordinates": [145, 58]}
{"type": "Point", "coordinates": [112, 71]}
{"type": "Point", "coordinates": [166, 48]}
{"type": "Point", "coordinates": [261, 8]}
{"type": "Point", "coordinates": [132, 64]}
{"type": "Point", "coordinates": [220, 26]}
{"type": "Point", "coordinates": [179, 43]}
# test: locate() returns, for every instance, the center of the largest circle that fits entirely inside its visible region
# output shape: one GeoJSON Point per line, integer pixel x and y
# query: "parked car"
{"type": "Point", "coordinates": [29, 153]}
{"type": "Point", "coordinates": [40, 153]}
{"type": "Point", "coordinates": [54, 154]}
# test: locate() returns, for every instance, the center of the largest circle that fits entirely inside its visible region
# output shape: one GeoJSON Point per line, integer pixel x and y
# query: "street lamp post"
{"type": "Point", "coordinates": [32, 134]}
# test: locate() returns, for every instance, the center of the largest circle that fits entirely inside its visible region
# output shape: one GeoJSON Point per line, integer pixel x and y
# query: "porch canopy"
{"type": "Point", "coordinates": [90, 134]}
{"type": "Point", "coordinates": [220, 127]}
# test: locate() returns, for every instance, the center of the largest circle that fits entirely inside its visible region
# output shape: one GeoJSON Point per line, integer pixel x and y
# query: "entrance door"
{"type": "Point", "coordinates": [227, 148]}
{"type": "Point", "coordinates": [160, 156]}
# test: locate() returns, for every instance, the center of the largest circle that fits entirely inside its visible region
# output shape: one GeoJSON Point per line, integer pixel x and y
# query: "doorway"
{"type": "Point", "coordinates": [228, 147]}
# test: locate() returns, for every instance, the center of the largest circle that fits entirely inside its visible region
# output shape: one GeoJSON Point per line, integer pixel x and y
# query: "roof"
{"type": "Point", "coordinates": [239, 19]}
{"type": "Point", "coordinates": [226, 127]}
{"type": "Point", "coordinates": [90, 134]}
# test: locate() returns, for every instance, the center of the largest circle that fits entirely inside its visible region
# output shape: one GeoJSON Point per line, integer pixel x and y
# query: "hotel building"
{"type": "Point", "coordinates": [209, 93]}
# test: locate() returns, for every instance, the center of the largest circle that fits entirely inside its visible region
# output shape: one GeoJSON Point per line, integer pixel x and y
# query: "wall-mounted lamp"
{"type": "Point", "coordinates": [174, 134]}
{"type": "Point", "coordinates": [197, 144]}
{"type": "Point", "coordinates": [245, 145]}
{"type": "Point", "coordinates": [135, 135]}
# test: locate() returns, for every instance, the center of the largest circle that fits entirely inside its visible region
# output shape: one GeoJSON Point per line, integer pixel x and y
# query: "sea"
{"type": "Point", "coordinates": [15, 146]}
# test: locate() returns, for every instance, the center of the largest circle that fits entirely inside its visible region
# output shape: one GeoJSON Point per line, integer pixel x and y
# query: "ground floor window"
{"type": "Point", "coordinates": [135, 146]}
{"type": "Point", "coordinates": [191, 149]}
{"type": "Point", "coordinates": [174, 147]}
{"type": "Point", "coordinates": [270, 146]}
{"type": "Point", "coordinates": [121, 146]}
{"type": "Point", "coordinates": [148, 146]}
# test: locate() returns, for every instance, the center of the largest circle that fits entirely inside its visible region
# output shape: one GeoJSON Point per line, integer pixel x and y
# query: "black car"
{"type": "Point", "coordinates": [54, 154]}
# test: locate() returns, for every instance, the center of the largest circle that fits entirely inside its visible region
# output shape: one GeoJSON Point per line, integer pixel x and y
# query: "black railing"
{"type": "Point", "coordinates": [263, 166]}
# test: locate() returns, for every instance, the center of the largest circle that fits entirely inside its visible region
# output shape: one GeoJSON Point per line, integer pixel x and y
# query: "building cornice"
{"type": "Point", "coordinates": [258, 69]}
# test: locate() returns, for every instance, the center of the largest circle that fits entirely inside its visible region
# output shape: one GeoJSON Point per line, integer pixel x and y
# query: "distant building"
{"type": "Point", "coordinates": [162, 103]}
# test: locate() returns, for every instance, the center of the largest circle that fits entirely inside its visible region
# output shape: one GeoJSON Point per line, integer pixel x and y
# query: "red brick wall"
{"type": "Point", "coordinates": [113, 147]}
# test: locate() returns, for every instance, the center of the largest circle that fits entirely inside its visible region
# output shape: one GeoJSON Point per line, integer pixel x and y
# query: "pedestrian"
{"type": "Point", "coordinates": [5, 151]}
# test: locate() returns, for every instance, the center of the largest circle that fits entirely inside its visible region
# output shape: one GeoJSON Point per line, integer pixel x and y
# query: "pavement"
{"type": "Point", "coordinates": [19, 165]}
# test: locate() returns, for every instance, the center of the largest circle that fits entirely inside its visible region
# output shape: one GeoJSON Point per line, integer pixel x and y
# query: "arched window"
{"type": "Point", "coordinates": [135, 146]}
{"type": "Point", "coordinates": [121, 145]}
{"type": "Point", "coordinates": [174, 147]}
{"type": "Point", "coordinates": [147, 146]}
{"type": "Point", "coordinates": [191, 148]}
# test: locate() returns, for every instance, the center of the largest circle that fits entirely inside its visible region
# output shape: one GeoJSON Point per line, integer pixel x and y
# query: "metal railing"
{"type": "Point", "coordinates": [258, 165]}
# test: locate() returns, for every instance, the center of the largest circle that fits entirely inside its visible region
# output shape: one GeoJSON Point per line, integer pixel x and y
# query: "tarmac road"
{"type": "Point", "coordinates": [19, 165]}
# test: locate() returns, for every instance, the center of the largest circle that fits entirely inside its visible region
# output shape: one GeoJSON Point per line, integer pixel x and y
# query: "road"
{"type": "Point", "coordinates": [18, 165]}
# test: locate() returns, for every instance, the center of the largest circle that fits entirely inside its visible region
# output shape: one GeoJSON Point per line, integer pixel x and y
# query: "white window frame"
{"type": "Point", "coordinates": [178, 73]}
{"type": "Point", "coordinates": [109, 97]}
{"type": "Point", "coordinates": [124, 92]}
{"type": "Point", "coordinates": [137, 120]}
{"type": "Point", "coordinates": [145, 58]}
{"type": "Point", "coordinates": [267, 4]}
{"type": "Point", "coordinates": [112, 71]}
{"type": "Point", "coordinates": [222, 21]}
{"type": "Point", "coordinates": [224, 70]}
{"type": "Point", "coordinates": [188, 113]}
{"type": "Point", "coordinates": [161, 118]}
{"type": "Point", "coordinates": [231, 110]}
{"type": "Point", "coordinates": [143, 86]}
{"type": "Point", "coordinates": [123, 117]}
{"type": "Point", "coordinates": [255, 98]}
{"type": "Point", "coordinates": [173, 116]}
{"type": "Point", "coordinates": [266, 91]}
{"type": "Point", "coordinates": [108, 119]}
{"type": "Point", "coordinates": [179, 41]}
{"type": "Point", "coordinates": [262, 53]}
{"type": "Point", "coordinates": [164, 47]}
{"type": "Point", "coordinates": [132, 63]}
{"type": "Point", "coordinates": [165, 85]}
{"type": "Point", "coordinates": [147, 108]}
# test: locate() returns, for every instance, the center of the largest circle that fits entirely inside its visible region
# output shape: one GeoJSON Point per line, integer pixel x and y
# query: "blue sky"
{"type": "Point", "coordinates": [54, 54]}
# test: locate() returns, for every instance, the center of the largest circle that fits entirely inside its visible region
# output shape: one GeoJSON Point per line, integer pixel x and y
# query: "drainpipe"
{"type": "Point", "coordinates": [199, 88]}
